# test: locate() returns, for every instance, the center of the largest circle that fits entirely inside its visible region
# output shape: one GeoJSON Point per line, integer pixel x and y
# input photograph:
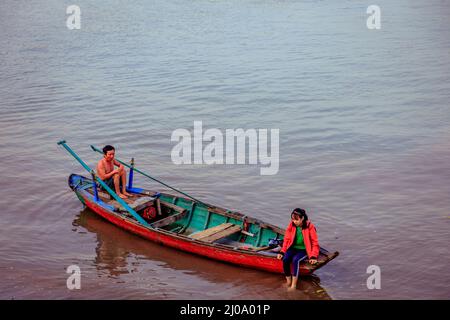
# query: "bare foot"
{"type": "Point", "coordinates": [291, 288]}
{"type": "Point", "coordinates": [288, 282]}
{"type": "Point", "coordinates": [127, 194]}
{"type": "Point", "coordinates": [122, 196]}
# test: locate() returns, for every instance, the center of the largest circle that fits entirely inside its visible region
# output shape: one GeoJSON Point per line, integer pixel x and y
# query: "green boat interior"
{"type": "Point", "coordinates": [196, 220]}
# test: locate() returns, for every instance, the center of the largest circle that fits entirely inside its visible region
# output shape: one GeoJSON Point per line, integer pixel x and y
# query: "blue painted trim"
{"type": "Point", "coordinates": [135, 190]}
{"type": "Point", "coordinates": [95, 188]}
{"type": "Point", "coordinates": [86, 186]}
{"type": "Point", "coordinates": [130, 179]}
{"type": "Point", "coordinates": [101, 203]}
{"type": "Point", "coordinates": [77, 184]}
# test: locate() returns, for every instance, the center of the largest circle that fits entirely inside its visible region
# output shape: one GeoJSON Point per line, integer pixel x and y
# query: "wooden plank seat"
{"type": "Point", "coordinates": [215, 233]}
{"type": "Point", "coordinates": [169, 220]}
{"type": "Point", "coordinates": [135, 204]}
{"type": "Point", "coordinates": [172, 206]}
{"type": "Point", "coordinates": [104, 196]}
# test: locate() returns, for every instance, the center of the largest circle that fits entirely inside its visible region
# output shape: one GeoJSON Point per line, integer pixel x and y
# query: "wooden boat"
{"type": "Point", "coordinates": [190, 225]}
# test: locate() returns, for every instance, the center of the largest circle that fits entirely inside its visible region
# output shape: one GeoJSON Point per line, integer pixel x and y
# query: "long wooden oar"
{"type": "Point", "coordinates": [154, 179]}
{"type": "Point", "coordinates": [104, 185]}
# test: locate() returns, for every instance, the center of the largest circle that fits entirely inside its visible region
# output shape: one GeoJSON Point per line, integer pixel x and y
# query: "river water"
{"type": "Point", "coordinates": [364, 120]}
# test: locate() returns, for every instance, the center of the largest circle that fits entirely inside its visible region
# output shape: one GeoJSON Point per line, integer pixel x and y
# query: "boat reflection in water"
{"type": "Point", "coordinates": [132, 260]}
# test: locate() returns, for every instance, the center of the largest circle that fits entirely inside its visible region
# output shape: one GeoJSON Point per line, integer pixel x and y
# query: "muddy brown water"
{"type": "Point", "coordinates": [364, 140]}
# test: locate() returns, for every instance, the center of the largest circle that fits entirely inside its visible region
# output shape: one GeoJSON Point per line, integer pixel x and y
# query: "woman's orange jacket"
{"type": "Point", "coordinates": [309, 237]}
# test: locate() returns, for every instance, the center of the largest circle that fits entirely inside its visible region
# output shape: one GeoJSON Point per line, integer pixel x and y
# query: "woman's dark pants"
{"type": "Point", "coordinates": [293, 256]}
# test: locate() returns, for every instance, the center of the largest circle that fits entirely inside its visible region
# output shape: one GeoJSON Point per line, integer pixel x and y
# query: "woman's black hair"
{"type": "Point", "coordinates": [107, 148]}
{"type": "Point", "coordinates": [299, 212]}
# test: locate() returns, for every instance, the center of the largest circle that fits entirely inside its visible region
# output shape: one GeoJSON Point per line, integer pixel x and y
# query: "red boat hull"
{"type": "Point", "coordinates": [240, 258]}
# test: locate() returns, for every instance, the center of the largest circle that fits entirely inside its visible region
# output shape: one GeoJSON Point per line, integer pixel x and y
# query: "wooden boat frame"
{"type": "Point", "coordinates": [237, 239]}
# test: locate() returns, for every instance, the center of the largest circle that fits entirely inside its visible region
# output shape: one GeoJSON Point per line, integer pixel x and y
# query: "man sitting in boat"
{"type": "Point", "coordinates": [116, 179]}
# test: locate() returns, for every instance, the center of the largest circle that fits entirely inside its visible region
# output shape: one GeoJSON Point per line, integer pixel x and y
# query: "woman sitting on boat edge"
{"type": "Point", "coordinates": [300, 242]}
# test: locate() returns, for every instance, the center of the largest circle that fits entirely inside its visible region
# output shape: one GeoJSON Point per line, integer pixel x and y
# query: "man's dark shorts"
{"type": "Point", "coordinates": [110, 183]}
